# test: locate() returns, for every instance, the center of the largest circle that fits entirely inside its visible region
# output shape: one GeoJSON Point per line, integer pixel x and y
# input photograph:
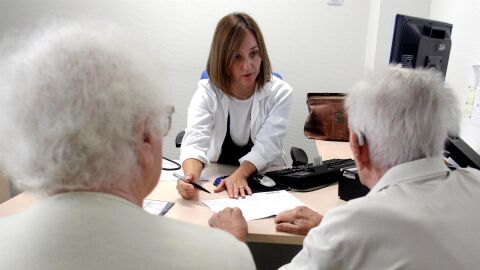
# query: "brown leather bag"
{"type": "Point", "coordinates": [327, 119]}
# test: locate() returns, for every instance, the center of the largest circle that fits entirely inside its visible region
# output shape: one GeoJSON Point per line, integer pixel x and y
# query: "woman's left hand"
{"type": "Point", "coordinates": [236, 184]}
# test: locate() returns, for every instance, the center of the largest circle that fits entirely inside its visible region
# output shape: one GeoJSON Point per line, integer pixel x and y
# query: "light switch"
{"type": "Point", "coordinates": [335, 2]}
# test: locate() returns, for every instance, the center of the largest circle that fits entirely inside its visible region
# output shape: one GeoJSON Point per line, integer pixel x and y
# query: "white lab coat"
{"type": "Point", "coordinates": [207, 124]}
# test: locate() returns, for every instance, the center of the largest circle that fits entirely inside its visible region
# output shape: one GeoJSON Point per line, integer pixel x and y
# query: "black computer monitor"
{"type": "Point", "coordinates": [419, 42]}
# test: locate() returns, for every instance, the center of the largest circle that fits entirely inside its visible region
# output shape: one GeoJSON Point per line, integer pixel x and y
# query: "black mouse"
{"type": "Point", "coordinates": [264, 180]}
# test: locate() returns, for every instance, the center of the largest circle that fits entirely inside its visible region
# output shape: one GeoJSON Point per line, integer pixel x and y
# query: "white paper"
{"type": "Point", "coordinates": [168, 175]}
{"type": "Point", "coordinates": [259, 205]}
{"type": "Point", "coordinates": [155, 207]}
{"type": "Point", "coordinates": [467, 112]}
{"type": "Point", "coordinates": [476, 107]}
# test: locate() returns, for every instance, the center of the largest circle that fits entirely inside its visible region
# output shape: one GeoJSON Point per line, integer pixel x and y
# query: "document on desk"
{"type": "Point", "coordinates": [156, 207]}
{"type": "Point", "coordinates": [259, 205]}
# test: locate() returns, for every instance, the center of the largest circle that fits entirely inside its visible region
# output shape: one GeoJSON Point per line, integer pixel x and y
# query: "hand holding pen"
{"type": "Point", "coordinates": [184, 188]}
{"type": "Point", "coordinates": [187, 181]}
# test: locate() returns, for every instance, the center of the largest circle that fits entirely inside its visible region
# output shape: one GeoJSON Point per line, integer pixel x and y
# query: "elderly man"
{"type": "Point", "coordinates": [81, 125]}
{"type": "Point", "coordinates": [418, 214]}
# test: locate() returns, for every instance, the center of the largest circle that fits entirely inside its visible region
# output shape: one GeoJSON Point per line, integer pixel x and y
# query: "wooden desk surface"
{"type": "Point", "coordinates": [193, 211]}
{"type": "Point", "coordinates": [263, 230]}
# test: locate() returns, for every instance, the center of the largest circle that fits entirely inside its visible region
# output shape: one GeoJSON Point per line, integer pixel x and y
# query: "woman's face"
{"type": "Point", "coordinates": [245, 66]}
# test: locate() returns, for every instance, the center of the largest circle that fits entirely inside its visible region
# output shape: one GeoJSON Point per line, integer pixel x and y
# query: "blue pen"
{"type": "Point", "coordinates": [219, 179]}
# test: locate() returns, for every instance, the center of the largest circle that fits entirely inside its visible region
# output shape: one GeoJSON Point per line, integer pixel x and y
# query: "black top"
{"type": "Point", "coordinates": [231, 152]}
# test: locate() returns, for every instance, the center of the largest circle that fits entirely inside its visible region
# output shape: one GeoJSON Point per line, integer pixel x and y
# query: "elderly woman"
{"type": "Point", "coordinates": [81, 125]}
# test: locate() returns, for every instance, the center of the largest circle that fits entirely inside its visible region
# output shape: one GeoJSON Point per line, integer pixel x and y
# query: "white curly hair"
{"type": "Point", "coordinates": [71, 96]}
{"type": "Point", "coordinates": [404, 114]}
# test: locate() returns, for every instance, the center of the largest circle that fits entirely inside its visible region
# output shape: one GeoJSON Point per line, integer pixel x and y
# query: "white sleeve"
{"type": "Point", "coordinates": [269, 140]}
{"type": "Point", "coordinates": [196, 140]}
{"type": "Point", "coordinates": [346, 237]}
{"type": "Point", "coordinates": [317, 253]}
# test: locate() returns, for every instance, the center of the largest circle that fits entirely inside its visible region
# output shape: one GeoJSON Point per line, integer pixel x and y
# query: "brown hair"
{"type": "Point", "coordinates": [226, 40]}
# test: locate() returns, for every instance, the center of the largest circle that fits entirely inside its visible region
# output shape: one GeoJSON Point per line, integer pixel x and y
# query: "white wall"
{"type": "Point", "coordinates": [465, 52]}
{"type": "Point", "coordinates": [386, 11]}
{"type": "Point", "coordinates": [314, 46]}
{"type": "Point", "coordinates": [465, 49]}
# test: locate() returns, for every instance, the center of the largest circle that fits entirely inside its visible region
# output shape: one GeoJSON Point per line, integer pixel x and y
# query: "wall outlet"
{"type": "Point", "coordinates": [335, 2]}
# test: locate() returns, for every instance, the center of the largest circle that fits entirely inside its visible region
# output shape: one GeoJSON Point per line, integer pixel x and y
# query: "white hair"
{"type": "Point", "coordinates": [71, 97]}
{"type": "Point", "coordinates": [404, 114]}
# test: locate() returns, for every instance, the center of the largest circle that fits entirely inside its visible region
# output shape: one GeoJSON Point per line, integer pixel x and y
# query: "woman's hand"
{"type": "Point", "coordinates": [236, 184]}
{"type": "Point", "coordinates": [191, 169]}
{"type": "Point", "coordinates": [186, 190]}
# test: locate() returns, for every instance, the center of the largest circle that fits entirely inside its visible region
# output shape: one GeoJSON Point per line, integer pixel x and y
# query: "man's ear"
{"type": "Point", "coordinates": [360, 138]}
{"type": "Point", "coordinates": [144, 139]}
{"type": "Point", "coordinates": [359, 149]}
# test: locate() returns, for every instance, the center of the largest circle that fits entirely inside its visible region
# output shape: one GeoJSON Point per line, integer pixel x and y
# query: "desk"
{"type": "Point", "coordinates": [193, 211]}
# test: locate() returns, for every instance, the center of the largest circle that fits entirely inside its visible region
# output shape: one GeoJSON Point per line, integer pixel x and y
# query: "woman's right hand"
{"type": "Point", "coordinates": [192, 169]}
{"type": "Point", "coordinates": [185, 189]}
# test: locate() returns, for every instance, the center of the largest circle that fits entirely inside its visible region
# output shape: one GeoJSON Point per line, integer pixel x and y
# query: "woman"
{"type": "Point", "coordinates": [239, 115]}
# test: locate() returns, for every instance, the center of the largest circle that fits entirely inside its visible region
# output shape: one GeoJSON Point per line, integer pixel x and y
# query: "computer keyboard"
{"type": "Point", "coordinates": [308, 176]}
